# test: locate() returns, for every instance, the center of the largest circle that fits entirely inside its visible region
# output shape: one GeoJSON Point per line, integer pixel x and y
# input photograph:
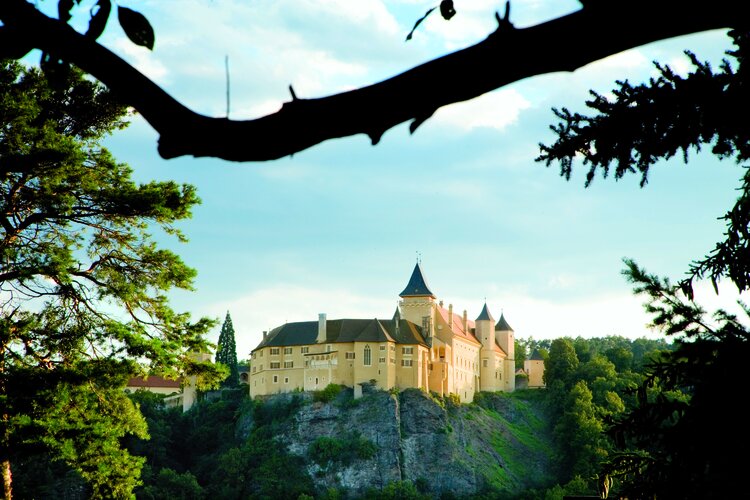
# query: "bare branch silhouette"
{"type": "Point", "coordinates": [507, 55]}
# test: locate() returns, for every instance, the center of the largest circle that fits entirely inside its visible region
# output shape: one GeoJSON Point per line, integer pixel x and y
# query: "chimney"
{"type": "Point", "coordinates": [450, 316]}
{"type": "Point", "coordinates": [265, 333]}
{"type": "Point", "coordinates": [466, 321]}
{"type": "Point", "coordinates": [321, 328]}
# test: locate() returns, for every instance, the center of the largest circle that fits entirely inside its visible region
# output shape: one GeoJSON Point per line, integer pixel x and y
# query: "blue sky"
{"type": "Point", "coordinates": [336, 228]}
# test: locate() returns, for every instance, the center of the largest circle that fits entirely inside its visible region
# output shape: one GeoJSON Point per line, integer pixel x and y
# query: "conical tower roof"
{"type": "Point", "coordinates": [485, 314]}
{"type": "Point", "coordinates": [502, 325]}
{"type": "Point", "coordinates": [417, 286]}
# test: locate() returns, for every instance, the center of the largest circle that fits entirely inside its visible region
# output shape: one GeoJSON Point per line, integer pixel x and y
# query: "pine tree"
{"type": "Point", "coordinates": [673, 443]}
{"type": "Point", "coordinates": [226, 352]}
{"type": "Point", "coordinates": [83, 285]}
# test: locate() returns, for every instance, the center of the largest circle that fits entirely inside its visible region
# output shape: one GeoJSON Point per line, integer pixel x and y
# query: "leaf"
{"type": "Point", "coordinates": [63, 10]}
{"type": "Point", "coordinates": [419, 21]}
{"type": "Point", "coordinates": [136, 27]}
{"type": "Point", "coordinates": [99, 18]}
{"type": "Point", "coordinates": [447, 10]}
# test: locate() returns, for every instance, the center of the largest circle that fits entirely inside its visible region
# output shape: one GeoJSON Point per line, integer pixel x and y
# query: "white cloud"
{"type": "Point", "coordinates": [265, 309]}
{"type": "Point", "coordinates": [270, 307]}
{"type": "Point", "coordinates": [624, 60]}
{"type": "Point", "coordinates": [142, 59]}
{"type": "Point", "coordinates": [594, 316]}
{"type": "Point", "coordinates": [497, 110]}
{"type": "Point", "coordinates": [680, 65]}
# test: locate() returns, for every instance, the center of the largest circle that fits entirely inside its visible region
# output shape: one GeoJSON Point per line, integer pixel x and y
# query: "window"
{"type": "Point", "coordinates": [275, 365]}
{"type": "Point", "coordinates": [307, 362]}
{"type": "Point", "coordinates": [484, 363]}
{"type": "Point", "coordinates": [406, 362]}
{"type": "Point", "coordinates": [287, 350]}
{"type": "Point", "coordinates": [407, 350]}
{"type": "Point", "coordinates": [349, 355]}
{"type": "Point", "coordinates": [393, 361]}
{"type": "Point", "coordinates": [382, 348]}
{"type": "Point", "coordinates": [393, 348]}
{"type": "Point", "coordinates": [305, 350]}
{"type": "Point", "coordinates": [260, 354]}
{"type": "Point", "coordinates": [275, 379]}
{"type": "Point", "coordinates": [288, 364]}
{"type": "Point", "coordinates": [381, 359]}
{"type": "Point", "coordinates": [368, 356]}
{"type": "Point", "coordinates": [286, 380]}
{"type": "Point", "coordinates": [261, 366]}
{"type": "Point", "coordinates": [274, 351]}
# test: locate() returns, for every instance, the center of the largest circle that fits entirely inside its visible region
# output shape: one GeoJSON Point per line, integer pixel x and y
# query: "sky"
{"type": "Point", "coordinates": [337, 229]}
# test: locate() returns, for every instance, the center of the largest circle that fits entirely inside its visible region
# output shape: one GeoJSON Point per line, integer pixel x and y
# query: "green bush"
{"type": "Point", "coordinates": [327, 450]}
{"type": "Point", "coordinates": [452, 399]}
{"type": "Point", "coordinates": [328, 394]}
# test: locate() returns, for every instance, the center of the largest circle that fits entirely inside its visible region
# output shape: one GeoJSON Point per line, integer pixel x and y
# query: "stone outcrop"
{"type": "Point", "coordinates": [499, 444]}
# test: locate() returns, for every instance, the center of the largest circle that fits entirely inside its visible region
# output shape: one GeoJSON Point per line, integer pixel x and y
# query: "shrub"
{"type": "Point", "coordinates": [326, 450]}
{"type": "Point", "coordinates": [328, 394]}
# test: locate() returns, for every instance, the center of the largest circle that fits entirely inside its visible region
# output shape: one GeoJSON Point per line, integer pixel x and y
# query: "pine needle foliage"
{"type": "Point", "coordinates": [83, 285]}
{"type": "Point", "coordinates": [676, 442]}
{"type": "Point", "coordinates": [226, 352]}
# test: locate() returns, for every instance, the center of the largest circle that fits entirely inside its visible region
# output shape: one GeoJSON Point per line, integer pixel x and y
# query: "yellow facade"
{"type": "Point", "coordinates": [424, 346]}
{"type": "Point", "coordinates": [534, 369]}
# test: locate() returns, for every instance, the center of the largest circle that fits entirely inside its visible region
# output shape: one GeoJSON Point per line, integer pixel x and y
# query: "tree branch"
{"type": "Point", "coordinates": [505, 56]}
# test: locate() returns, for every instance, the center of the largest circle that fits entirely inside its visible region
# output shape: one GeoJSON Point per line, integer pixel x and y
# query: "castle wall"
{"type": "Point", "coordinates": [534, 368]}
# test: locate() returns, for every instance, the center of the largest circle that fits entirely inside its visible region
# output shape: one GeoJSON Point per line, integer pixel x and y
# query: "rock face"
{"type": "Point", "coordinates": [499, 444]}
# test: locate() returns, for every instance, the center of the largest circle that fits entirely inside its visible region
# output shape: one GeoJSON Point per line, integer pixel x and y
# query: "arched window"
{"type": "Point", "coordinates": [368, 356]}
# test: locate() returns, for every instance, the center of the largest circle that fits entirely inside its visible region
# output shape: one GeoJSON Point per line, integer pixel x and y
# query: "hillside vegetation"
{"type": "Point", "coordinates": [530, 444]}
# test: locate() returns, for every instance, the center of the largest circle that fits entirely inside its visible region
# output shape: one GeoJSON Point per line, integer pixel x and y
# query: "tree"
{"type": "Point", "coordinates": [82, 283]}
{"type": "Point", "coordinates": [663, 447]}
{"type": "Point", "coordinates": [507, 55]}
{"type": "Point", "coordinates": [579, 432]}
{"type": "Point", "coordinates": [226, 352]}
{"type": "Point", "coordinates": [562, 363]}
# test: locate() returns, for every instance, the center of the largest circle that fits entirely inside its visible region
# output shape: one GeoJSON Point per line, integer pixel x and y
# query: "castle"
{"type": "Point", "coordinates": [423, 346]}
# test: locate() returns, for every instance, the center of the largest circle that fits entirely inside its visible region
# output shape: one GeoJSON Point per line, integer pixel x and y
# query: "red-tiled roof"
{"type": "Point", "coordinates": [153, 381]}
{"type": "Point", "coordinates": [458, 328]}
{"type": "Point", "coordinates": [458, 324]}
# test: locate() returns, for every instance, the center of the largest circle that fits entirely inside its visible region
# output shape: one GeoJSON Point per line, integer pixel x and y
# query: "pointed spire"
{"type": "Point", "coordinates": [485, 314]}
{"type": "Point", "coordinates": [397, 314]}
{"type": "Point", "coordinates": [502, 325]}
{"type": "Point", "coordinates": [417, 286]}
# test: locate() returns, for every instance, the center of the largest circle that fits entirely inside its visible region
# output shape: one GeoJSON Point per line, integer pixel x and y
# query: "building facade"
{"type": "Point", "coordinates": [424, 345]}
{"type": "Point", "coordinates": [534, 369]}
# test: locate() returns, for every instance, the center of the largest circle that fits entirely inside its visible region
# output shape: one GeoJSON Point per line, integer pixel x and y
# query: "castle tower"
{"type": "Point", "coordinates": [505, 339]}
{"type": "Point", "coordinates": [534, 368]}
{"type": "Point", "coordinates": [485, 332]}
{"type": "Point", "coordinates": [484, 329]}
{"type": "Point", "coordinates": [418, 301]}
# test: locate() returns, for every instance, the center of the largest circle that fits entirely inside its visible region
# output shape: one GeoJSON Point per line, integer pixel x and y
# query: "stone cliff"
{"type": "Point", "coordinates": [498, 443]}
